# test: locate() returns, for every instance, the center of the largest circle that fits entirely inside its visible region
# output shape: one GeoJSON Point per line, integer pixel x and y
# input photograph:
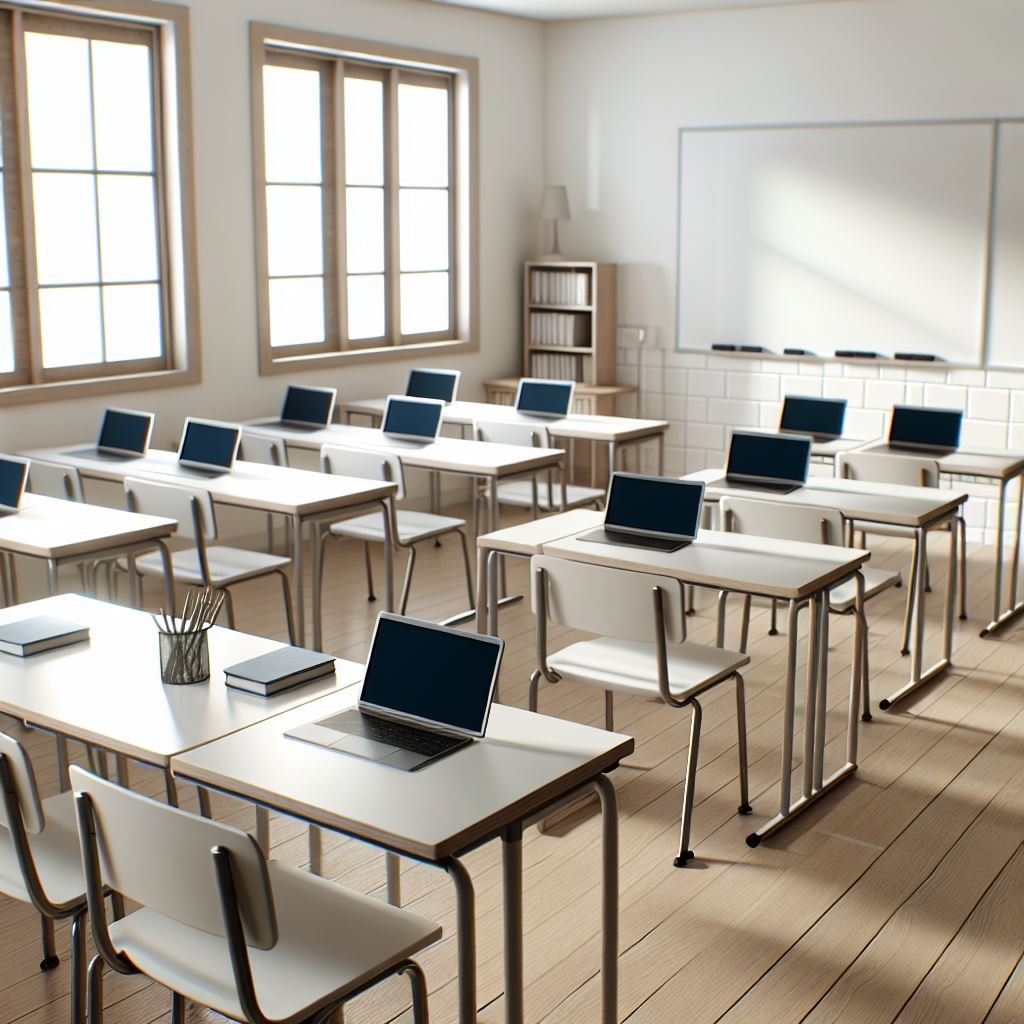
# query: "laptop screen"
{"type": "Point", "coordinates": [654, 505]}
{"type": "Point", "coordinates": [925, 428]}
{"type": "Point", "coordinates": [416, 418]}
{"type": "Point", "coordinates": [819, 417]}
{"type": "Point", "coordinates": [125, 431]}
{"type": "Point", "coordinates": [544, 397]}
{"type": "Point", "coordinates": [13, 473]}
{"type": "Point", "coordinates": [439, 384]}
{"type": "Point", "coordinates": [314, 406]}
{"type": "Point", "coordinates": [428, 672]}
{"type": "Point", "coordinates": [211, 445]}
{"type": "Point", "coordinates": [769, 457]}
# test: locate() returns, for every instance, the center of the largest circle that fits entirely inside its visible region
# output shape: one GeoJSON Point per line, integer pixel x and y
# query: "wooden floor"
{"type": "Point", "coordinates": [898, 898]}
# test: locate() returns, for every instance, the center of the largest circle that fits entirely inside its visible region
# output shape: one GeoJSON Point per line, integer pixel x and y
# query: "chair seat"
{"type": "Point", "coordinates": [56, 853]}
{"type": "Point", "coordinates": [412, 526]}
{"type": "Point", "coordinates": [331, 941]}
{"type": "Point", "coordinates": [520, 494]}
{"type": "Point", "coordinates": [227, 565]}
{"type": "Point", "coordinates": [842, 598]}
{"type": "Point", "coordinates": [631, 667]}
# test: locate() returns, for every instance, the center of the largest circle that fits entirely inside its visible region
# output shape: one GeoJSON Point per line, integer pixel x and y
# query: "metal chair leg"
{"type": "Point", "coordinates": [286, 592]}
{"type": "Point", "coordinates": [370, 595]}
{"type": "Point", "coordinates": [229, 607]}
{"type": "Point", "coordinates": [865, 677]}
{"type": "Point", "coordinates": [409, 566]}
{"type": "Point", "coordinates": [79, 983]}
{"type": "Point", "coordinates": [418, 983]}
{"type": "Point", "coordinates": [95, 990]}
{"type": "Point", "coordinates": [773, 629]}
{"type": "Point", "coordinates": [177, 1008]}
{"type": "Point", "coordinates": [963, 566]}
{"type": "Point", "coordinates": [685, 853]}
{"type": "Point", "coordinates": [50, 958]}
{"type": "Point", "coordinates": [745, 624]}
{"type": "Point", "coordinates": [911, 585]}
{"type": "Point", "coordinates": [469, 571]}
{"type": "Point", "coordinates": [534, 684]}
{"type": "Point", "coordinates": [609, 710]}
{"type": "Point", "coordinates": [741, 730]}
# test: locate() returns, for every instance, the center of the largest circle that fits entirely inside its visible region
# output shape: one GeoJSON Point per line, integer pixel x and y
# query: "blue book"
{"type": "Point", "coordinates": [278, 670]}
{"type": "Point", "coordinates": [41, 633]}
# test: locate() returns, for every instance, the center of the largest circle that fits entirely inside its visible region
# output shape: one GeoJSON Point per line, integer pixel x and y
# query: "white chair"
{"type": "Point", "coordinates": [781, 521]}
{"type": "Point", "coordinates": [267, 451]}
{"type": "Point", "coordinates": [407, 527]}
{"type": "Point", "coordinates": [641, 650]}
{"type": "Point", "coordinates": [40, 862]}
{"type": "Point", "coordinates": [904, 470]}
{"type": "Point", "coordinates": [203, 566]}
{"type": "Point", "coordinates": [219, 925]}
{"type": "Point", "coordinates": [55, 481]}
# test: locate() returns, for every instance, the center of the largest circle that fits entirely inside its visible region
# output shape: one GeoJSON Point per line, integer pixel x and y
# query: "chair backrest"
{"type": "Point", "coordinates": [268, 451]}
{"type": "Point", "coordinates": [26, 793]}
{"type": "Point", "coordinates": [525, 434]}
{"type": "Point", "coordinates": [191, 506]}
{"type": "Point", "coordinates": [880, 468]}
{"type": "Point", "coordinates": [364, 464]}
{"type": "Point", "coordinates": [610, 602]}
{"type": "Point", "coordinates": [782, 521]}
{"type": "Point", "coordinates": [55, 481]}
{"type": "Point", "coordinates": [161, 857]}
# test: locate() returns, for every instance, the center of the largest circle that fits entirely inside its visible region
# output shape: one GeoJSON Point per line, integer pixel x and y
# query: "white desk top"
{"type": "Point", "coordinates": [446, 454]}
{"type": "Point", "coordinates": [249, 484]}
{"type": "Point", "coordinates": [51, 528]}
{"type": "Point", "coordinates": [987, 462]}
{"type": "Point", "coordinates": [587, 428]}
{"type": "Point", "coordinates": [830, 449]}
{"type": "Point", "coordinates": [866, 502]}
{"type": "Point", "coordinates": [526, 761]}
{"type": "Point", "coordinates": [529, 538]}
{"type": "Point", "coordinates": [108, 691]}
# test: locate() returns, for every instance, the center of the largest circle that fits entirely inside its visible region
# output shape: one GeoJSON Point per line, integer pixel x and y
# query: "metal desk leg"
{"type": "Point", "coordinates": [822, 674]}
{"type": "Point", "coordinates": [609, 900]}
{"type": "Point", "coordinates": [263, 829]}
{"type": "Point", "coordinates": [612, 457]}
{"type": "Point", "coordinates": [1008, 610]}
{"type": "Point", "coordinates": [492, 592]}
{"type": "Point", "coordinates": [389, 556]}
{"type": "Point", "coordinates": [315, 573]}
{"type": "Point", "coordinates": [62, 763]}
{"type": "Point", "coordinates": [298, 580]}
{"type": "Point", "coordinates": [512, 878]}
{"type": "Point", "coordinates": [811, 693]}
{"type": "Point", "coordinates": [661, 453]}
{"type": "Point", "coordinates": [52, 580]}
{"type": "Point", "coordinates": [465, 899]}
{"type": "Point", "coordinates": [482, 606]}
{"type": "Point", "coordinates": [315, 842]}
{"type": "Point", "coordinates": [858, 677]}
{"type": "Point", "coordinates": [393, 872]}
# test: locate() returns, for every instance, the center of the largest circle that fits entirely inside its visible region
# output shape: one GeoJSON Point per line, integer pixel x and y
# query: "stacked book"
{"type": "Point", "coordinates": [556, 366]}
{"type": "Point", "coordinates": [569, 330]}
{"type": "Point", "coordinates": [40, 633]}
{"type": "Point", "coordinates": [279, 670]}
{"type": "Point", "coordinates": [560, 287]}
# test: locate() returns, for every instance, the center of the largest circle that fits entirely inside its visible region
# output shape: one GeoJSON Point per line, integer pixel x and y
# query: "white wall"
{"type": "Point", "coordinates": [619, 91]}
{"type": "Point", "coordinates": [510, 51]}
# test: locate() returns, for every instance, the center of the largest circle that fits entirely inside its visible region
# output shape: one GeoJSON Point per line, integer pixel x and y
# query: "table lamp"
{"type": "Point", "coordinates": [554, 207]}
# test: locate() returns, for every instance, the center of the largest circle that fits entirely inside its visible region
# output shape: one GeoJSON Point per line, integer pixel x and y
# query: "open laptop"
{"type": "Point", "coordinates": [208, 446]}
{"type": "Point", "coordinates": [412, 419]}
{"type": "Point", "coordinates": [124, 434]}
{"type": "Point", "coordinates": [307, 408]}
{"type": "Point", "coordinates": [427, 692]}
{"type": "Point", "coordinates": [656, 512]}
{"type": "Point", "coordinates": [821, 418]}
{"type": "Point", "coordinates": [442, 385]}
{"type": "Point", "coordinates": [766, 462]}
{"type": "Point", "coordinates": [13, 475]}
{"type": "Point", "coordinates": [551, 398]}
{"type": "Point", "coordinates": [916, 429]}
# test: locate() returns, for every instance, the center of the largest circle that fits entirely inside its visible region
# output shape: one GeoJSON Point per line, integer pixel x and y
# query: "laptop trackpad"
{"type": "Point", "coordinates": [371, 750]}
{"type": "Point", "coordinates": [407, 760]}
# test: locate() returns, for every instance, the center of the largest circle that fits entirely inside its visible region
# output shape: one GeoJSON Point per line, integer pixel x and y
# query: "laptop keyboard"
{"type": "Point", "coordinates": [395, 734]}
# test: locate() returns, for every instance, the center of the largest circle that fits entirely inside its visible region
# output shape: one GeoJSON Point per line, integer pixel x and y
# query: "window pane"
{"type": "Point", "coordinates": [122, 99]}
{"type": "Point", "coordinates": [59, 116]}
{"type": "Point", "coordinates": [291, 123]}
{"type": "Point", "coordinates": [364, 132]}
{"type": "Point", "coordinates": [65, 209]}
{"type": "Point", "coordinates": [366, 306]}
{"type": "Point", "coordinates": [70, 325]}
{"type": "Point", "coordinates": [131, 321]}
{"type": "Point", "coordinates": [296, 311]}
{"type": "Point", "coordinates": [364, 226]}
{"type": "Point", "coordinates": [424, 303]}
{"type": "Point", "coordinates": [128, 247]}
{"type": "Point", "coordinates": [6, 334]}
{"type": "Point", "coordinates": [422, 135]}
{"type": "Point", "coordinates": [423, 227]}
{"type": "Point", "coordinates": [4, 272]}
{"type": "Point", "coordinates": [295, 243]}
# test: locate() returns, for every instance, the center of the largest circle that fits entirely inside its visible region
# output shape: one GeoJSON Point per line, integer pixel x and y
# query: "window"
{"type": "Point", "coordinates": [365, 199]}
{"type": "Point", "coordinates": [95, 240]}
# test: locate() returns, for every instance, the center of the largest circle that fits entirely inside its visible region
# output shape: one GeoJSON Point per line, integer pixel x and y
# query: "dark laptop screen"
{"type": "Point", "coordinates": [124, 431]}
{"type": "Point", "coordinates": [936, 428]}
{"type": "Point", "coordinates": [549, 397]}
{"type": "Point", "coordinates": [439, 384]}
{"type": "Point", "coordinates": [820, 417]}
{"type": "Point", "coordinates": [12, 482]}
{"type": "Point", "coordinates": [308, 405]}
{"type": "Point", "coordinates": [769, 457]}
{"type": "Point", "coordinates": [442, 675]}
{"type": "Point", "coordinates": [209, 444]}
{"type": "Point", "coordinates": [413, 419]}
{"type": "Point", "coordinates": [654, 505]}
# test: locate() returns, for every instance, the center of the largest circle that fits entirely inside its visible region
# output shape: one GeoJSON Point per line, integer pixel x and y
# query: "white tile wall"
{"type": "Point", "coordinates": [703, 395]}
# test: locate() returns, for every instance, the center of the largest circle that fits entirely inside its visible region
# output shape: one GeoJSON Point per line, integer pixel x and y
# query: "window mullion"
{"type": "Point", "coordinates": [334, 182]}
{"type": "Point", "coordinates": [392, 280]}
{"type": "Point", "coordinates": [96, 200]}
{"type": "Point", "coordinates": [160, 197]}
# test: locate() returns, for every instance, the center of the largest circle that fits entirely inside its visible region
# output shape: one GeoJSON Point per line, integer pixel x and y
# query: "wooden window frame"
{"type": "Point", "coordinates": [280, 45]}
{"type": "Point", "coordinates": [167, 27]}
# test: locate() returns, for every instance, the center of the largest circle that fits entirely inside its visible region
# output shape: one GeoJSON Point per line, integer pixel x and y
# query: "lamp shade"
{"type": "Point", "coordinates": [555, 204]}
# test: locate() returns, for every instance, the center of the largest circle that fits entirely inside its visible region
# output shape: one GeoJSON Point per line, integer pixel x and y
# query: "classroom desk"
{"type": "Point", "coordinates": [921, 509]}
{"type": "Point", "coordinates": [107, 691]}
{"type": "Point", "coordinates": [616, 432]}
{"type": "Point", "coordinates": [1002, 468]}
{"type": "Point", "coordinates": [304, 496]}
{"type": "Point", "coordinates": [490, 789]}
{"type": "Point", "coordinates": [62, 532]}
{"type": "Point", "coordinates": [800, 574]}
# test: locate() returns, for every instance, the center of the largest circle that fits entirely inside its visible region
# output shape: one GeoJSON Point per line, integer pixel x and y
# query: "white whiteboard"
{"type": "Point", "coordinates": [866, 237]}
{"type": "Point", "coordinates": [1006, 320]}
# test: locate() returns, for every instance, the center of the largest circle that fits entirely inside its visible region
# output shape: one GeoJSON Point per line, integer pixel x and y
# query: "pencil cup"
{"type": "Point", "coordinates": [184, 657]}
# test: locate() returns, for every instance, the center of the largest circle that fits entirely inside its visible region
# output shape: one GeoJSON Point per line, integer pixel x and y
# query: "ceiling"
{"type": "Point", "coordinates": [565, 10]}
